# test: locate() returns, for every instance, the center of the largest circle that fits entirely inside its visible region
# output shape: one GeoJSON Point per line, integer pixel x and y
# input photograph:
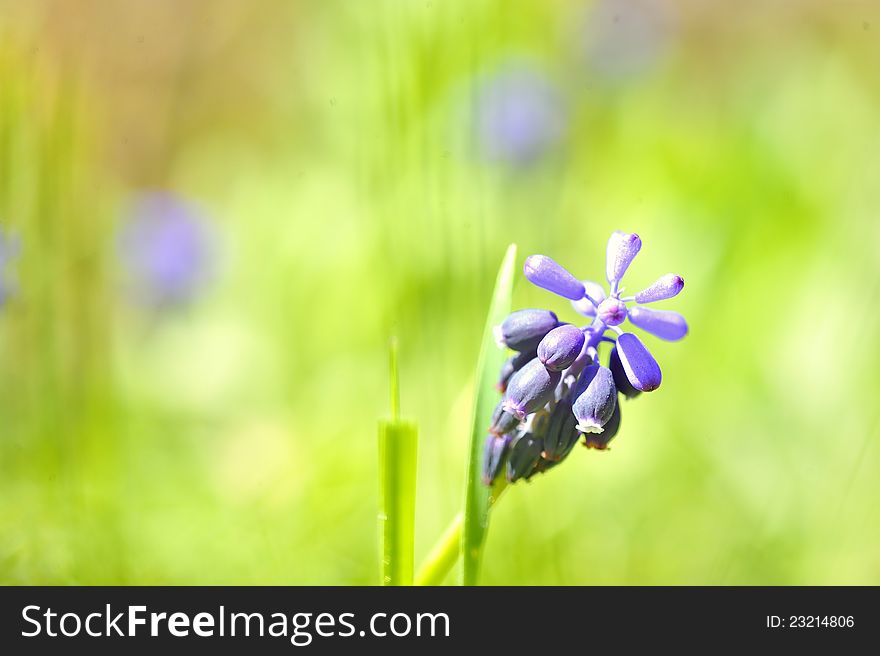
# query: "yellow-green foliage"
{"type": "Point", "coordinates": [234, 440]}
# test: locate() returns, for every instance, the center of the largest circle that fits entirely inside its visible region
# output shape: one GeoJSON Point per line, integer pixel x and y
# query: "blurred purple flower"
{"type": "Point", "coordinates": [625, 37]}
{"type": "Point", "coordinates": [10, 247]}
{"type": "Point", "coordinates": [167, 248]}
{"type": "Point", "coordinates": [520, 116]}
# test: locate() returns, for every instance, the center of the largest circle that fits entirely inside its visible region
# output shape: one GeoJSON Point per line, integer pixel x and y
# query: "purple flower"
{"type": "Point", "coordinates": [600, 440]}
{"type": "Point", "coordinates": [639, 365]}
{"type": "Point", "coordinates": [502, 421]}
{"type": "Point", "coordinates": [562, 434]}
{"type": "Point", "coordinates": [523, 330]}
{"type": "Point", "coordinates": [560, 347]}
{"type": "Point", "coordinates": [494, 453]}
{"type": "Point", "coordinates": [664, 324]}
{"type": "Point", "coordinates": [525, 452]}
{"type": "Point", "coordinates": [565, 390]}
{"type": "Point", "coordinates": [10, 247]}
{"type": "Point", "coordinates": [544, 272]}
{"type": "Point", "coordinates": [622, 250]}
{"type": "Point", "coordinates": [595, 399]}
{"type": "Point", "coordinates": [529, 389]}
{"type": "Point", "coordinates": [513, 364]}
{"type": "Point", "coordinates": [593, 296]}
{"type": "Point", "coordinates": [621, 381]}
{"type": "Point", "coordinates": [665, 287]}
{"type": "Point", "coordinates": [166, 246]}
{"type": "Point", "coordinates": [520, 116]}
{"type": "Point", "coordinates": [610, 311]}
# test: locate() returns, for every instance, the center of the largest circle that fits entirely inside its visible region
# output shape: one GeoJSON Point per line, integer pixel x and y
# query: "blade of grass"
{"type": "Point", "coordinates": [478, 497]}
{"type": "Point", "coordinates": [398, 449]}
{"type": "Point", "coordinates": [443, 555]}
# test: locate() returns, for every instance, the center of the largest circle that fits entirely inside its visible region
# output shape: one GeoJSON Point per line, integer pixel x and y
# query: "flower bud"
{"type": "Point", "coordinates": [639, 365]}
{"type": "Point", "coordinates": [494, 452]}
{"type": "Point", "coordinates": [622, 248]}
{"type": "Point", "coordinates": [547, 274]}
{"type": "Point", "coordinates": [621, 382]}
{"type": "Point", "coordinates": [525, 451]}
{"type": "Point", "coordinates": [612, 311]}
{"type": "Point", "coordinates": [523, 330]}
{"type": "Point", "coordinates": [600, 440]}
{"type": "Point", "coordinates": [665, 287]}
{"type": "Point", "coordinates": [584, 306]}
{"type": "Point", "coordinates": [561, 434]}
{"type": "Point", "coordinates": [595, 398]}
{"type": "Point", "coordinates": [542, 466]}
{"type": "Point", "coordinates": [664, 324]}
{"type": "Point", "coordinates": [513, 364]}
{"type": "Point", "coordinates": [502, 421]}
{"type": "Point", "coordinates": [560, 347]}
{"type": "Point", "coordinates": [529, 389]}
{"type": "Point", "coordinates": [537, 422]}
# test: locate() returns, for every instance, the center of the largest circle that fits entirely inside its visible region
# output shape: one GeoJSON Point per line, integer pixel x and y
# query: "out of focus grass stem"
{"type": "Point", "coordinates": [398, 449]}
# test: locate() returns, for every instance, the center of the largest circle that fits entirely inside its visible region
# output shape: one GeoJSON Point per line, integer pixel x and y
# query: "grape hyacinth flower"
{"type": "Point", "coordinates": [555, 388]}
{"type": "Point", "coordinates": [166, 247]}
{"type": "Point", "coordinates": [10, 246]}
{"type": "Point", "coordinates": [520, 116]}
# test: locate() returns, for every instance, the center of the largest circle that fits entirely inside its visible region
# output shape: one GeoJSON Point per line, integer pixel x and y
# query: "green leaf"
{"type": "Point", "coordinates": [478, 497]}
{"type": "Point", "coordinates": [398, 450]}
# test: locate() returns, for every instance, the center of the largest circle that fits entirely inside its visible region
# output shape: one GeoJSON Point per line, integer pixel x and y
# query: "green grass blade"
{"type": "Point", "coordinates": [398, 442]}
{"type": "Point", "coordinates": [479, 498]}
{"type": "Point", "coordinates": [398, 450]}
{"type": "Point", "coordinates": [443, 556]}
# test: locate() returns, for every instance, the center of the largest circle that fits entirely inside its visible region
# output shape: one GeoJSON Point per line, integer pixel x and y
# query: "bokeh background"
{"type": "Point", "coordinates": [215, 214]}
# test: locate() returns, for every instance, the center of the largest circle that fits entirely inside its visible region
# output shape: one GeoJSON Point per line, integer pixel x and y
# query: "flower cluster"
{"type": "Point", "coordinates": [554, 387]}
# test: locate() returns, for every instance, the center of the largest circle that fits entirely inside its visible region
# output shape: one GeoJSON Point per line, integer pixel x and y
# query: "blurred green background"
{"type": "Point", "coordinates": [361, 167]}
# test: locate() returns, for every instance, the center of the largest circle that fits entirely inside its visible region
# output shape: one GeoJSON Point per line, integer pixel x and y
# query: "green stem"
{"type": "Point", "coordinates": [444, 554]}
{"type": "Point", "coordinates": [398, 451]}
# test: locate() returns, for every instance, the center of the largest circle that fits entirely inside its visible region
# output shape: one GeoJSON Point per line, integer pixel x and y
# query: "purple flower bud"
{"type": "Point", "coordinates": [537, 422]}
{"type": "Point", "coordinates": [547, 274]}
{"type": "Point", "coordinates": [560, 347]}
{"type": "Point", "coordinates": [524, 455]}
{"type": "Point", "coordinates": [595, 398]}
{"type": "Point", "coordinates": [665, 287]}
{"type": "Point", "coordinates": [541, 466]}
{"type": "Point", "coordinates": [600, 440]}
{"type": "Point", "coordinates": [665, 324]}
{"type": "Point", "coordinates": [562, 434]}
{"type": "Point", "coordinates": [529, 389]}
{"type": "Point", "coordinates": [494, 453]}
{"type": "Point", "coordinates": [640, 366]}
{"type": "Point", "coordinates": [523, 330]}
{"type": "Point", "coordinates": [513, 364]}
{"type": "Point", "coordinates": [612, 311]}
{"type": "Point", "coordinates": [502, 421]}
{"type": "Point", "coordinates": [584, 306]}
{"type": "Point", "coordinates": [620, 380]}
{"type": "Point", "coordinates": [622, 248]}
